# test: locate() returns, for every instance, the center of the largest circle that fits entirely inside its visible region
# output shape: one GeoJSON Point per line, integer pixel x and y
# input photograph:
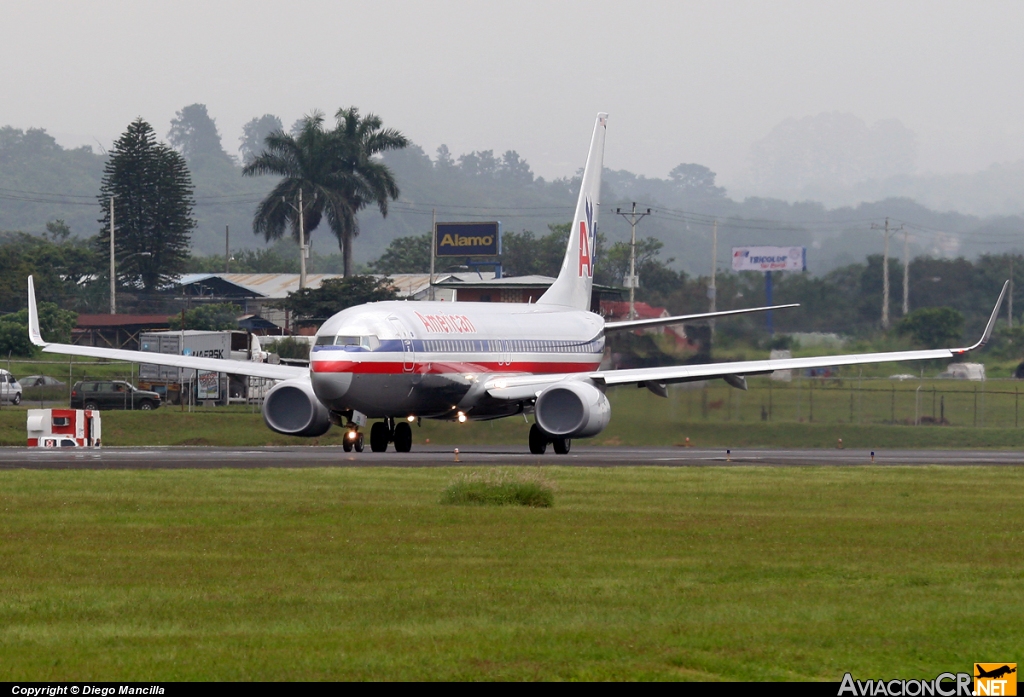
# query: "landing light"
{"type": "Point", "coordinates": [411, 418]}
{"type": "Point", "coordinates": [462, 417]}
{"type": "Point", "coordinates": [352, 435]}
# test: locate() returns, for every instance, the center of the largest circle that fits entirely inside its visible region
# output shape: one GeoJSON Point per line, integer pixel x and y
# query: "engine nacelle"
{"type": "Point", "coordinates": [291, 408]}
{"type": "Point", "coordinates": [571, 409]}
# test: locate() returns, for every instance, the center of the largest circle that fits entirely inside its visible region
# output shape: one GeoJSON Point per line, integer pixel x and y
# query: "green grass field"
{"type": "Point", "coordinates": [648, 573]}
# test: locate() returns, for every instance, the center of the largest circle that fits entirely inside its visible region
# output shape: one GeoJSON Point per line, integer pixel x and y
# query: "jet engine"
{"type": "Point", "coordinates": [571, 409]}
{"type": "Point", "coordinates": [290, 407]}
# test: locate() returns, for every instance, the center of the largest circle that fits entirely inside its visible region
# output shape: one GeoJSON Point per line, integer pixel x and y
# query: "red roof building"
{"type": "Point", "coordinates": [116, 331]}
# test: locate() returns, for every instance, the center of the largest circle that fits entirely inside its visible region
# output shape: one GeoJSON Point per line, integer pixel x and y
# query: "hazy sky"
{"type": "Point", "coordinates": [683, 81]}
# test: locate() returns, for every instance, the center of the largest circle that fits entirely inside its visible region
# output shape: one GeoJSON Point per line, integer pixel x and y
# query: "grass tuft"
{"type": "Point", "coordinates": [500, 487]}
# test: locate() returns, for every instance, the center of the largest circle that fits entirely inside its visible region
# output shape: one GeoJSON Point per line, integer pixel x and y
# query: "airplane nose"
{"type": "Point", "coordinates": [330, 386]}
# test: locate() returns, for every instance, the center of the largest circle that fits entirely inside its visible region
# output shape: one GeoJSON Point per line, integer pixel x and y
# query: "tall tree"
{"type": "Point", "coordinates": [336, 170]}
{"type": "Point", "coordinates": [315, 305]}
{"type": "Point", "coordinates": [152, 191]}
{"type": "Point", "coordinates": [255, 133]}
{"type": "Point", "coordinates": [409, 254]}
{"type": "Point", "coordinates": [194, 134]}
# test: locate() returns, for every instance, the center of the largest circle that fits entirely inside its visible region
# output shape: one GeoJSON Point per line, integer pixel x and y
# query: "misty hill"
{"type": "Point", "coordinates": [839, 160]}
{"type": "Point", "coordinates": [40, 181]}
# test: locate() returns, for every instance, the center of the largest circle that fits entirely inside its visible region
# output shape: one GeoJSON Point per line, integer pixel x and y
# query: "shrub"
{"type": "Point", "coordinates": [500, 487]}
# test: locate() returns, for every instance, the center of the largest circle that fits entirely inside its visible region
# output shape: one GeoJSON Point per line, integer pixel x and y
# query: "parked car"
{"type": "Point", "coordinates": [10, 388]}
{"type": "Point", "coordinates": [112, 394]}
{"type": "Point", "coordinates": [41, 381]}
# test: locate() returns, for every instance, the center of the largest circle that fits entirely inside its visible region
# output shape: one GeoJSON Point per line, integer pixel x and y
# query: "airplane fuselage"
{"type": "Point", "coordinates": [431, 359]}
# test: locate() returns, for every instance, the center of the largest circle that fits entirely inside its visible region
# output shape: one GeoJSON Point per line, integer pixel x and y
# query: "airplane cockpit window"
{"type": "Point", "coordinates": [370, 342]}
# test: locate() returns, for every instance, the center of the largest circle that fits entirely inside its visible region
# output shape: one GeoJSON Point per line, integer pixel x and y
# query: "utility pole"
{"type": "Point", "coordinates": [227, 249]}
{"type": "Point", "coordinates": [303, 247]}
{"type": "Point", "coordinates": [906, 275]}
{"type": "Point", "coordinates": [113, 277]}
{"type": "Point", "coordinates": [633, 280]}
{"type": "Point", "coordinates": [433, 248]}
{"type": "Point", "coordinates": [302, 244]}
{"type": "Point", "coordinates": [713, 289]}
{"type": "Point", "coordinates": [885, 274]}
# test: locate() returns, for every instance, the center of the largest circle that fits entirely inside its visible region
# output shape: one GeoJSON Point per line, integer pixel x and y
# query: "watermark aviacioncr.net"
{"type": "Point", "coordinates": [988, 680]}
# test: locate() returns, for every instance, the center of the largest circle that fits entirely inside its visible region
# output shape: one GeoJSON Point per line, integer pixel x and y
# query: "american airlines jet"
{"type": "Point", "coordinates": [403, 361]}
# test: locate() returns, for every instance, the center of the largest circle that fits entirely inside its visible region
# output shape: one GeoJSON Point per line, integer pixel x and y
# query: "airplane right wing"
{"type": "Point", "coordinates": [258, 370]}
{"type": "Point", "coordinates": [522, 387]}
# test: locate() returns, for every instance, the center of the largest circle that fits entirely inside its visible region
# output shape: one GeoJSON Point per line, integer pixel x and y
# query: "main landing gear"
{"type": "Point", "coordinates": [539, 442]}
{"type": "Point", "coordinates": [387, 431]}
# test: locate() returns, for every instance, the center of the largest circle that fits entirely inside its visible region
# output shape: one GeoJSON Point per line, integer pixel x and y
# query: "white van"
{"type": "Point", "coordinates": [10, 389]}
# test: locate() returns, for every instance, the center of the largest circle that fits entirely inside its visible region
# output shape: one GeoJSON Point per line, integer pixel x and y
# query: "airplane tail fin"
{"type": "Point", "coordinates": [575, 279]}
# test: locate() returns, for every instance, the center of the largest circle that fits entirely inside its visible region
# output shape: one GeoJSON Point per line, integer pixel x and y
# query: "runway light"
{"type": "Point", "coordinates": [411, 418]}
{"type": "Point", "coordinates": [462, 418]}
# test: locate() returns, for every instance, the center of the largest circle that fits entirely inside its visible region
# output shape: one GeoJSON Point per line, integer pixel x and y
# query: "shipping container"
{"type": "Point", "coordinates": [188, 343]}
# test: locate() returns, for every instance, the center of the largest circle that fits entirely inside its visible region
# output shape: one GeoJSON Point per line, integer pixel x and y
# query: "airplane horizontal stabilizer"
{"type": "Point", "coordinates": [680, 319]}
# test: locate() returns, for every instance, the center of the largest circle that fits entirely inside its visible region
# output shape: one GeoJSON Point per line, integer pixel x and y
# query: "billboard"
{"type": "Point", "coordinates": [467, 240]}
{"type": "Point", "coordinates": [769, 258]}
{"type": "Point", "coordinates": [207, 385]}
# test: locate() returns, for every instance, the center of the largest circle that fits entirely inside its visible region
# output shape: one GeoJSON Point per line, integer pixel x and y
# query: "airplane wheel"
{"type": "Point", "coordinates": [359, 443]}
{"type": "Point", "coordinates": [538, 441]}
{"type": "Point", "coordinates": [379, 437]}
{"type": "Point", "coordinates": [403, 437]}
{"type": "Point", "coordinates": [562, 445]}
{"type": "Point", "coordinates": [346, 444]}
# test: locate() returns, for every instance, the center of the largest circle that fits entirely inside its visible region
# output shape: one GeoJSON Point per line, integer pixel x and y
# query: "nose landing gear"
{"type": "Point", "coordinates": [353, 441]}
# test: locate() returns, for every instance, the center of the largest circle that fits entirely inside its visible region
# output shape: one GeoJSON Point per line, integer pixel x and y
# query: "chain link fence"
{"type": "Point", "coordinates": [921, 402]}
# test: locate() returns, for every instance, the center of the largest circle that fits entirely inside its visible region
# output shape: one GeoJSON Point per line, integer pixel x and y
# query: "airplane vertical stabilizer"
{"type": "Point", "coordinates": [576, 277]}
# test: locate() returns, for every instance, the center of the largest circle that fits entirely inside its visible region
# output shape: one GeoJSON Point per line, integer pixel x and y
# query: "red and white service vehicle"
{"type": "Point", "coordinates": [64, 428]}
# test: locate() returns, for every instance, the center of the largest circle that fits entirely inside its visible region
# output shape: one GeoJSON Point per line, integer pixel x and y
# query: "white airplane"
{"type": "Point", "coordinates": [400, 361]}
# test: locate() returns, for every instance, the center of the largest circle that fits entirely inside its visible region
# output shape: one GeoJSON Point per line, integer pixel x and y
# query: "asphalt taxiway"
{"type": "Point", "coordinates": [439, 456]}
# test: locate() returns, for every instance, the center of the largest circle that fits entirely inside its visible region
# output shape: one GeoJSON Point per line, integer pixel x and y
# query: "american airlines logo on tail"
{"type": "Point", "coordinates": [587, 239]}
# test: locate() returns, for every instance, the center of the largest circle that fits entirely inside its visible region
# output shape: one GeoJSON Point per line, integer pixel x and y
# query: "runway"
{"type": "Point", "coordinates": [438, 456]}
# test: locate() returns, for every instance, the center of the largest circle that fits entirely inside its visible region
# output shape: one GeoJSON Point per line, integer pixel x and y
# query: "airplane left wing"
{"type": "Point", "coordinates": [258, 370]}
{"type": "Point", "coordinates": [528, 386]}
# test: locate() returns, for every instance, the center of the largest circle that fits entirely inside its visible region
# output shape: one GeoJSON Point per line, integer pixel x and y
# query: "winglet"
{"type": "Point", "coordinates": [991, 322]}
{"type": "Point", "coordinates": [33, 316]}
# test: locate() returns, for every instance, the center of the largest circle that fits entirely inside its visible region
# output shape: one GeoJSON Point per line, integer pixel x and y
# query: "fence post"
{"type": "Point", "coordinates": [860, 397]}
{"type": "Point", "coordinates": [769, 399]}
{"type": "Point", "coordinates": [983, 405]}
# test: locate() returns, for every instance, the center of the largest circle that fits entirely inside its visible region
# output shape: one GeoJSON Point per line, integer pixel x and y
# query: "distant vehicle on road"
{"type": "Point", "coordinates": [10, 388]}
{"type": "Point", "coordinates": [112, 394]}
{"type": "Point", "coordinates": [41, 381]}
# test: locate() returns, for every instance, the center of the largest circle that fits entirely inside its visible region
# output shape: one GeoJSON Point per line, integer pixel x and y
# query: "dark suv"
{"type": "Point", "coordinates": [112, 394]}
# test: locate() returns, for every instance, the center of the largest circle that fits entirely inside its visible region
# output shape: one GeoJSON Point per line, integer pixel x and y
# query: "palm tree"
{"type": "Point", "coordinates": [360, 141]}
{"type": "Point", "coordinates": [336, 172]}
